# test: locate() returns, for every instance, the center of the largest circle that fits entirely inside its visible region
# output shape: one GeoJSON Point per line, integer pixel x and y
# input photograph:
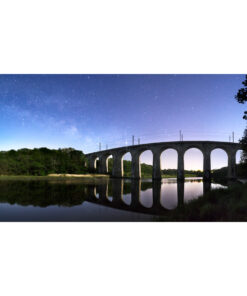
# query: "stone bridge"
{"type": "Point", "coordinates": [206, 147]}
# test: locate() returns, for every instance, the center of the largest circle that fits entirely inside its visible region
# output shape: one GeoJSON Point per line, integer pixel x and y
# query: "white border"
{"type": "Point", "coordinates": [131, 36]}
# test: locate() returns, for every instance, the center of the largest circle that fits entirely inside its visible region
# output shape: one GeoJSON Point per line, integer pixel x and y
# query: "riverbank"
{"type": "Point", "coordinates": [225, 205]}
{"type": "Point", "coordinates": [79, 176]}
{"type": "Point", "coordinates": [55, 177]}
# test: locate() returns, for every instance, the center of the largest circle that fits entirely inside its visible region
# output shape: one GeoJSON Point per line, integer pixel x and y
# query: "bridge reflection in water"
{"type": "Point", "coordinates": [96, 199]}
{"type": "Point", "coordinates": [131, 195]}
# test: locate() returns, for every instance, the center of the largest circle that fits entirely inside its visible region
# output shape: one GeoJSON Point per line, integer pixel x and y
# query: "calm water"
{"type": "Point", "coordinates": [103, 200]}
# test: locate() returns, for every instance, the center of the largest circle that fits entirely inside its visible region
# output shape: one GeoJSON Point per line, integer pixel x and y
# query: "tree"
{"type": "Point", "coordinates": [243, 143]}
{"type": "Point", "coordinates": [42, 161]}
{"type": "Point", "coordinates": [241, 96]}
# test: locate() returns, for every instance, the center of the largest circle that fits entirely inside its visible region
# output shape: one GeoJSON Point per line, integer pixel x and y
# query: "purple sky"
{"type": "Point", "coordinates": [82, 110]}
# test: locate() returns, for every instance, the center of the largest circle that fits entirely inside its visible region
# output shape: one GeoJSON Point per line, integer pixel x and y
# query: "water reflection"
{"type": "Point", "coordinates": [150, 197]}
{"type": "Point", "coordinates": [146, 196]}
{"type": "Point", "coordinates": [169, 196]}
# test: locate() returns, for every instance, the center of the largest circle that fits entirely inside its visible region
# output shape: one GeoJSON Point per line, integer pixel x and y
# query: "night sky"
{"type": "Point", "coordinates": [80, 111]}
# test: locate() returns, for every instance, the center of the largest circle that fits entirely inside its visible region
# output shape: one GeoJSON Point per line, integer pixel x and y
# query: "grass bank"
{"type": "Point", "coordinates": [217, 205]}
{"type": "Point", "coordinates": [54, 177]}
{"type": "Point", "coordinates": [76, 176]}
{"type": "Point", "coordinates": [175, 176]}
{"type": "Point", "coordinates": [166, 176]}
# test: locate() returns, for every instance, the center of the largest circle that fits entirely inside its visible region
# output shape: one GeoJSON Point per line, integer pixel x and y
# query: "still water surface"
{"type": "Point", "coordinates": [97, 200]}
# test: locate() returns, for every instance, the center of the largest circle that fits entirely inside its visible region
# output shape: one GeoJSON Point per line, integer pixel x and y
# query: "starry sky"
{"type": "Point", "coordinates": [81, 111]}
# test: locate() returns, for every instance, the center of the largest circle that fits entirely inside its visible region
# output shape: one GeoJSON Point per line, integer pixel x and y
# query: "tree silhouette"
{"type": "Point", "coordinates": [241, 96]}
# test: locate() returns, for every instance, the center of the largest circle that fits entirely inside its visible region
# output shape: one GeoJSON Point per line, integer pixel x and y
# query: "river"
{"type": "Point", "coordinates": [96, 200]}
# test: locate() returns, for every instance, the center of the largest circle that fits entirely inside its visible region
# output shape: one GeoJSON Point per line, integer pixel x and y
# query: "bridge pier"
{"type": "Point", "coordinates": [156, 165]}
{"type": "Point", "coordinates": [206, 165]}
{"type": "Point", "coordinates": [117, 169]}
{"type": "Point", "coordinates": [180, 171]}
{"type": "Point", "coordinates": [135, 166]}
{"type": "Point", "coordinates": [232, 165]}
{"type": "Point", "coordinates": [92, 164]}
{"type": "Point", "coordinates": [103, 164]}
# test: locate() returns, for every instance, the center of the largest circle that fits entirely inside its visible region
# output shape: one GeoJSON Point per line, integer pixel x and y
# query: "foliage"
{"type": "Point", "coordinates": [241, 96]}
{"type": "Point", "coordinates": [126, 167]}
{"type": "Point", "coordinates": [243, 143]}
{"type": "Point", "coordinates": [42, 161]}
{"type": "Point", "coordinates": [217, 205]}
{"type": "Point", "coordinates": [219, 173]}
{"type": "Point", "coordinates": [222, 172]}
{"type": "Point", "coordinates": [188, 173]}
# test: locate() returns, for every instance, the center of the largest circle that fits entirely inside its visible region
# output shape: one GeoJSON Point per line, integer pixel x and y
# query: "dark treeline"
{"type": "Point", "coordinates": [42, 161]}
{"type": "Point", "coordinates": [241, 98]}
{"type": "Point", "coordinates": [188, 173]}
{"type": "Point", "coordinates": [222, 173]}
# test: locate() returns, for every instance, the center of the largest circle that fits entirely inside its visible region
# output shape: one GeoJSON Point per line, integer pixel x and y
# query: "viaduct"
{"type": "Point", "coordinates": [206, 147]}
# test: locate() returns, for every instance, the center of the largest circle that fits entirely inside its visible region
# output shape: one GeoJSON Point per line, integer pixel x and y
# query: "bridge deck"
{"type": "Point", "coordinates": [170, 143]}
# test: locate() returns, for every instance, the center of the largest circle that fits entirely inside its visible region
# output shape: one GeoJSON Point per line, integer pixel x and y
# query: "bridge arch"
{"type": "Point", "coordinates": [92, 163]}
{"type": "Point", "coordinates": [127, 159]}
{"type": "Point", "coordinates": [194, 158]}
{"type": "Point", "coordinates": [221, 147]}
{"type": "Point", "coordinates": [109, 164]}
{"type": "Point", "coordinates": [194, 146]}
{"type": "Point", "coordinates": [169, 159]}
{"type": "Point", "coordinates": [221, 155]}
{"type": "Point", "coordinates": [239, 155]}
{"type": "Point", "coordinates": [240, 161]}
{"type": "Point", "coordinates": [146, 158]}
{"type": "Point", "coordinates": [104, 163]}
{"type": "Point", "coordinates": [199, 163]}
{"type": "Point", "coordinates": [118, 156]}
